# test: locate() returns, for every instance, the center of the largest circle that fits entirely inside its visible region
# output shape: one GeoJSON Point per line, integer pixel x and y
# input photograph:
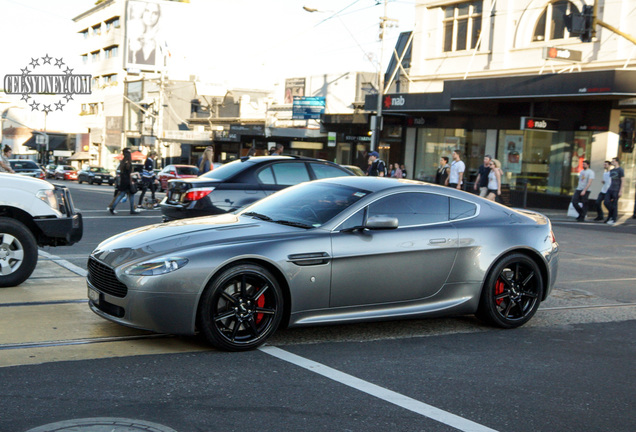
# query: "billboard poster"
{"type": "Point", "coordinates": [294, 87]}
{"type": "Point", "coordinates": [513, 154]}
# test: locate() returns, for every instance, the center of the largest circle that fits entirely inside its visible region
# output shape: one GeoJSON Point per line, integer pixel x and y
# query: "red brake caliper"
{"type": "Point", "coordinates": [499, 289]}
{"type": "Point", "coordinates": [260, 303]}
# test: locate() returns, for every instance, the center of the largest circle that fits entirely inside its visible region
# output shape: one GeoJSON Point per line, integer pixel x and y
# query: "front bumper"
{"type": "Point", "coordinates": [61, 231]}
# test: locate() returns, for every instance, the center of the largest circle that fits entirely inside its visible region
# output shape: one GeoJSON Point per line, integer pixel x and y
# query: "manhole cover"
{"type": "Point", "coordinates": [102, 424]}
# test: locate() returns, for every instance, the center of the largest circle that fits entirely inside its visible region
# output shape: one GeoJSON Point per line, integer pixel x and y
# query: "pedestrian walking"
{"type": "Point", "coordinates": [607, 166]}
{"type": "Point", "coordinates": [614, 192]}
{"type": "Point", "coordinates": [482, 179]}
{"type": "Point", "coordinates": [149, 179]}
{"type": "Point", "coordinates": [494, 180]}
{"type": "Point", "coordinates": [125, 185]}
{"type": "Point", "coordinates": [5, 166]}
{"type": "Point", "coordinates": [206, 163]}
{"type": "Point", "coordinates": [442, 171]}
{"type": "Point", "coordinates": [377, 167]}
{"type": "Point", "coordinates": [582, 192]}
{"type": "Point", "coordinates": [458, 167]}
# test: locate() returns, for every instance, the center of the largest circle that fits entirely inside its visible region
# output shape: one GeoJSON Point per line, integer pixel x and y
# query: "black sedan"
{"type": "Point", "coordinates": [97, 175]}
{"type": "Point", "coordinates": [238, 184]}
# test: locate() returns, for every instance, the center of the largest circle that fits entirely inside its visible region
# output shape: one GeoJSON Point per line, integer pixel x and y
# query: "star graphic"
{"type": "Point", "coordinates": [68, 70]}
{"type": "Point", "coordinates": [59, 105]}
{"type": "Point", "coordinates": [68, 97]}
{"type": "Point", "coordinates": [25, 97]}
{"type": "Point", "coordinates": [46, 108]}
{"type": "Point", "coordinates": [34, 106]}
{"type": "Point", "coordinates": [34, 62]}
{"type": "Point", "coordinates": [59, 62]}
{"type": "Point", "coordinates": [47, 59]}
{"type": "Point", "coordinates": [25, 70]}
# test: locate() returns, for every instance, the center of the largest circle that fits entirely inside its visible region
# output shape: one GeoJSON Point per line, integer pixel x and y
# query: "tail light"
{"type": "Point", "coordinates": [196, 194]}
{"type": "Point", "coordinates": [553, 237]}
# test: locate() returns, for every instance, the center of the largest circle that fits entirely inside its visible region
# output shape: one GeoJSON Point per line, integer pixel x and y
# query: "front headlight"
{"type": "Point", "coordinates": [157, 266]}
{"type": "Point", "coordinates": [48, 196]}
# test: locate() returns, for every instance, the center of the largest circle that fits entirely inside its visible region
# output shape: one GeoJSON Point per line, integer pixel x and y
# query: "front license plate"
{"type": "Point", "coordinates": [93, 296]}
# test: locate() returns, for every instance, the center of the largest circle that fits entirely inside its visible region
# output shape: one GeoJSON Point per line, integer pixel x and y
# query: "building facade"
{"type": "Point", "coordinates": [509, 80]}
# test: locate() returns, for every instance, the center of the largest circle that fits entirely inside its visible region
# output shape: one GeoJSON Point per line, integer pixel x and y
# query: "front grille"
{"type": "Point", "coordinates": [103, 278]}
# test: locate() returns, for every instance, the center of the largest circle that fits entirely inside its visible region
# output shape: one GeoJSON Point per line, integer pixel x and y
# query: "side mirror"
{"type": "Point", "coordinates": [381, 223]}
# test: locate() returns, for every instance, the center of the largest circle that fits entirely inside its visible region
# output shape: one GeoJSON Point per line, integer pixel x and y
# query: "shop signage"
{"type": "Point", "coordinates": [535, 123]}
{"type": "Point", "coordinates": [553, 53]}
{"type": "Point", "coordinates": [308, 108]}
{"type": "Point", "coordinates": [420, 122]}
{"type": "Point", "coordinates": [627, 102]}
{"type": "Point", "coordinates": [247, 129]}
{"type": "Point", "coordinates": [592, 127]}
{"type": "Point", "coordinates": [354, 138]}
{"type": "Point", "coordinates": [331, 139]}
{"type": "Point", "coordinates": [185, 135]}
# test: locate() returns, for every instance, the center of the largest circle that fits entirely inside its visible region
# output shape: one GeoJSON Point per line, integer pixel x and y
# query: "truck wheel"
{"type": "Point", "coordinates": [18, 252]}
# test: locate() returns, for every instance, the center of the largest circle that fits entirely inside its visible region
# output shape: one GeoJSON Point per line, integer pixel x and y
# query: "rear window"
{"type": "Point", "coordinates": [227, 170]}
{"type": "Point", "coordinates": [188, 171]}
{"type": "Point", "coordinates": [327, 171]}
{"type": "Point", "coordinates": [68, 168]}
{"type": "Point", "coordinates": [23, 164]}
{"type": "Point", "coordinates": [460, 209]}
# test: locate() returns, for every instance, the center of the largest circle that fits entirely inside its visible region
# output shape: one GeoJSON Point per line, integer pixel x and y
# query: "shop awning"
{"type": "Point", "coordinates": [81, 156]}
{"type": "Point", "coordinates": [601, 85]}
{"type": "Point", "coordinates": [56, 142]}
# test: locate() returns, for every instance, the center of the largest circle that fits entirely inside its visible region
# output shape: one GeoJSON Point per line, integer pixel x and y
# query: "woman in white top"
{"type": "Point", "coordinates": [494, 180]}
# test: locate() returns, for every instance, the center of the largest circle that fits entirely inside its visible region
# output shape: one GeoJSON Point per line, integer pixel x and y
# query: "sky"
{"type": "Point", "coordinates": [248, 44]}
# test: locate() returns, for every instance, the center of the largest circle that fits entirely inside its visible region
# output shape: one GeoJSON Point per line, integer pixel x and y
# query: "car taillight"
{"type": "Point", "coordinates": [197, 193]}
{"type": "Point", "coordinates": [553, 237]}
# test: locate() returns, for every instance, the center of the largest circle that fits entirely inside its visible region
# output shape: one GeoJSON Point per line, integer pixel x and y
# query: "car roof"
{"type": "Point", "coordinates": [264, 159]}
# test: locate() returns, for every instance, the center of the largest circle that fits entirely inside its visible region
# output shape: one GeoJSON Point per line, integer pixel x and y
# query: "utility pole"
{"type": "Point", "coordinates": [376, 122]}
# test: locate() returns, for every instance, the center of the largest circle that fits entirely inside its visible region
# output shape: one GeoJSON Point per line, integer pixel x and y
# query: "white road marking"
{"type": "Point", "coordinates": [63, 263]}
{"type": "Point", "coordinates": [395, 398]}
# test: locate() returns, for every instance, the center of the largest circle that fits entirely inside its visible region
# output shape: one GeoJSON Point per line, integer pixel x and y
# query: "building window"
{"type": "Point", "coordinates": [94, 82]}
{"type": "Point", "coordinates": [462, 26]}
{"type": "Point", "coordinates": [551, 23]}
{"type": "Point", "coordinates": [95, 56]}
{"type": "Point", "coordinates": [111, 51]}
{"type": "Point", "coordinates": [92, 108]}
{"type": "Point", "coordinates": [112, 23]}
{"type": "Point", "coordinates": [110, 79]}
{"type": "Point", "coordinates": [84, 33]}
{"type": "Point", "coordinates": [97, 30]}
{"type": "Point", "coordinates": [84, 58]}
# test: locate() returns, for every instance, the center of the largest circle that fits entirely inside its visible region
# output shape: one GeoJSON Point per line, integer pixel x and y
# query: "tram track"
{"type": "Point", "coordinates": [111, 339]}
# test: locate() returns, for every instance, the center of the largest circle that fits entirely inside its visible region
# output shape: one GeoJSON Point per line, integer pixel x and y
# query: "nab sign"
{"type": "Point", "coordinates": [534, 123]}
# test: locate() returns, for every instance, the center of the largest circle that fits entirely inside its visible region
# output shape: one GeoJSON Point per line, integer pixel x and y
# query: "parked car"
{"type": "Point", "coordinates": [27, 168]}
{"type": "Point", "coordinates": [97, 175]}
{"type": "Point", "coordinates": [171, 172]}
{"type": "Point", "coordinates": [240, 183]}
{"type": "Point", "coordinates": [65, 172]}
{"type": "Point", "coordinates": [49, 171]}
{"type": "Point", "coordinates": [343, 250]}
{"type": "Point", "coordinates": [33, 213]}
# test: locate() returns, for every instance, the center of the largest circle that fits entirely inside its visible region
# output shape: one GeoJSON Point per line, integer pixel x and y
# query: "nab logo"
{"type": "Point", "coordinates": [389, 101]}
{"type": "Point", "coordinates": [530, 124]}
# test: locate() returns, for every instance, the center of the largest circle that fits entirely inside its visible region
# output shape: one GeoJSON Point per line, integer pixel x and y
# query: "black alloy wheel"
{"type": "Point", "coordinates": [512, 293]}
{"type": "Point", "coordinates": [241, 308]}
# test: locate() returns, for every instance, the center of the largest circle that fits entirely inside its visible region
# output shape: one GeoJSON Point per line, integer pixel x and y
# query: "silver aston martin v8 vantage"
{"type": "Point", "coordinates": [339, 250]}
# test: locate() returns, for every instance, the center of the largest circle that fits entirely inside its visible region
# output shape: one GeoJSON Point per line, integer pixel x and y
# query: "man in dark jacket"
{"type": "Point", "coordinates": [377, 167]}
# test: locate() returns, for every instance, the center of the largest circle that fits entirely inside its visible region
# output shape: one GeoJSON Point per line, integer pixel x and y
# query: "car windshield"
{"type": "Point", "coordinates": [226, 171]}
{"type": "Point", "coordinates": [188, 170]}
{"type": "Point", "coordinates": [308, 205]}
{"type": "Point", "coordinates": [99, 170]}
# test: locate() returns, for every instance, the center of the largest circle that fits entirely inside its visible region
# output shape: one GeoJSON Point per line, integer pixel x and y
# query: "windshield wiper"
{"type": "Point", "coordinates": [292, 223]}
{"type": "Point", "coordinates": [258, 216]}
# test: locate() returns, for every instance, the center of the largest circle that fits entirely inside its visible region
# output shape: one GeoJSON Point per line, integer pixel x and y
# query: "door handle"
{"type": "Point", "coordinates": [437, 241]}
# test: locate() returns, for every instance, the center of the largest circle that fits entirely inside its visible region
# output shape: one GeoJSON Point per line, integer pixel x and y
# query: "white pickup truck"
{"type": "Point", "coordinates": [33, 213]}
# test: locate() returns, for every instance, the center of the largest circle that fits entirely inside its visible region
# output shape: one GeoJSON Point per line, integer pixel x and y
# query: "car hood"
{"type": "Point", "coordinates": [177, 236]}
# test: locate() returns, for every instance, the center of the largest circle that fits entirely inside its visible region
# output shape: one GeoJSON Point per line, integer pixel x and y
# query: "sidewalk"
{"type": "Point", "coordinates": [561, 216]}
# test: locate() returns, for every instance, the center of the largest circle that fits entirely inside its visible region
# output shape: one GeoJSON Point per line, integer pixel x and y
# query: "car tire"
{"type": "Point", "coordinates": [512, 293]}
{"type": "Point", "coordinates": [241, 308]}
{"type": "Point", "coordinates": [80, 181]}
{"type": "Point", "coordinates": [18, 252]}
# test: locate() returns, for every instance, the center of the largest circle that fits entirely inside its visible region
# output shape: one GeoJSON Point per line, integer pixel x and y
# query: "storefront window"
{"type": "Point", "coordinates": [547, 162]}
{"type": "Point", "coordinates": [432, 144]}
{"type": "Point", "coordinates": [627, 156]}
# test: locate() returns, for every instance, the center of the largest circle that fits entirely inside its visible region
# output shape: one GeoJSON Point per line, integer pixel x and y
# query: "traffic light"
{"type": "Point", "coordinates": [581, 24]}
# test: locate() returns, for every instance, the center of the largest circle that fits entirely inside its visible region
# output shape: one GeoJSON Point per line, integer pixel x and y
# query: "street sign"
{"type": "Point", "coordinates": [308, 108]}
